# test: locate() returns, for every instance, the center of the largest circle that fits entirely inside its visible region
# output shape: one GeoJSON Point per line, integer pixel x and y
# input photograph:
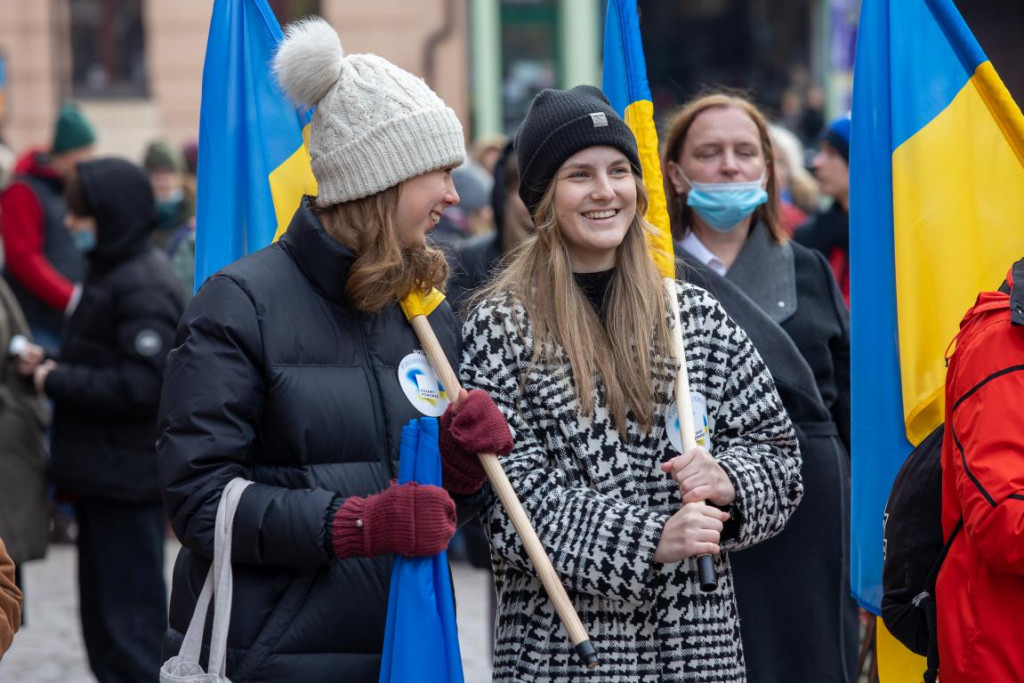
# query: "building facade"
{"type": "Point", "coordinates": [136, 66]}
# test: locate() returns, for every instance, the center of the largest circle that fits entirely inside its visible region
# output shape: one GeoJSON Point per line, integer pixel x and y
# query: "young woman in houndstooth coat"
{"type": "Point", "coordinates": [572, 342]}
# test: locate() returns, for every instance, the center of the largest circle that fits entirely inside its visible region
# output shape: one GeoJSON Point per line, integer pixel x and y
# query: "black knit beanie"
{"type": "Point", "coordinates": [559, 124]}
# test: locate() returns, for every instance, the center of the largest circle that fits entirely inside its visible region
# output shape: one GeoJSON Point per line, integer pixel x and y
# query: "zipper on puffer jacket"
{"type": "Point", "coordinates": [378, 418]}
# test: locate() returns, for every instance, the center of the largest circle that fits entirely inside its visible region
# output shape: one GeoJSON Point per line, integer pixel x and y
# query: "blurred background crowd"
{"type": "Point", "coordinates": [87, 78]}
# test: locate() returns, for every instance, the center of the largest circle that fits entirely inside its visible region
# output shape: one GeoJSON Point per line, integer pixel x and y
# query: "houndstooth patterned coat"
{"type": "Point", "coordinates": [599, 501]}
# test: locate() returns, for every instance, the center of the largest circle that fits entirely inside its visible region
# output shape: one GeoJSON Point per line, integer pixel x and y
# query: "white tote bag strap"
{"type": "Point", "coordinates": [218, 585]}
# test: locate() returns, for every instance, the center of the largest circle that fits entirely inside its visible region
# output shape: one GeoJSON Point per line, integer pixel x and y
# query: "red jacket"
{"type": "Point", "coordinates": [22, 230]}
{"type": "Point", "coordinates": [980, 589]}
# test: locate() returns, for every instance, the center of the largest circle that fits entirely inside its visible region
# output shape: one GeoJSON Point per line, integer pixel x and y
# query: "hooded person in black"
{"type": "Point", "coordinates": [105, 386]}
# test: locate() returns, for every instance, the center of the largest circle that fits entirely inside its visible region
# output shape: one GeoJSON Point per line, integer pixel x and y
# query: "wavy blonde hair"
{"type": "Point", "coordinates": [565, 325]}
{"type": "Point", "coordinates": [384, 272]}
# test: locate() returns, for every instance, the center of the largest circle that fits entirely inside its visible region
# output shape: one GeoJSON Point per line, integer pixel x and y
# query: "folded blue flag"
{"type": "Point", "coordinates": [421, 642]}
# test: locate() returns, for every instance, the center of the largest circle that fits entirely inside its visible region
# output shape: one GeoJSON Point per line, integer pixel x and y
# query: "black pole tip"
{"type": "Point", "coordinates": [587, 654]}
{"type": "Point", "coordinates": [706, 572]}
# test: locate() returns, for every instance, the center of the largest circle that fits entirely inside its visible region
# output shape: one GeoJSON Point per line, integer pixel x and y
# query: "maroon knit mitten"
{"type": "Point", "coordinates": [408, 519]}
{"type": "Point", "coordinates": [478, 427]}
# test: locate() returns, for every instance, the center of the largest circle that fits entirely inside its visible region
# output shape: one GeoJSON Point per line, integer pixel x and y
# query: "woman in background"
{"type": "Point", "coordinates": [721, 186]}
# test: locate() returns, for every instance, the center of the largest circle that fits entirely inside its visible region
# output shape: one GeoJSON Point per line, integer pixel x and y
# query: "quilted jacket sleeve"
{"type": "Point", "coordinates": [146, 317]}
{"type": "Point", "coordinates": [598, 545]}
{"type": "Point", "coordinates": [754, 440]}
{"type": "Point", "coordinates": [213, 398]}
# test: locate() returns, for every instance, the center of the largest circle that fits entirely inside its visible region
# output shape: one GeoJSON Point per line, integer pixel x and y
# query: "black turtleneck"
{"type": "Point", "coordinates": [595, 287]}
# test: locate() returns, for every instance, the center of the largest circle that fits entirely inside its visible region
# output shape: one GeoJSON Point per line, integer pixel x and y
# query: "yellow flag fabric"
{"type": "Point", "coordinates": [624, 81]}
{"type": "Point", "coordinates": [289, 182]}
{"type": "Point", "coordinates": [957, 206]}
{"type": "Point", "coordinates": [896, 664]}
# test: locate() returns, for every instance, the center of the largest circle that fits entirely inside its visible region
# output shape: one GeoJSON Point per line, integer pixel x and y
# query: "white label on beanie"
{"type": "Point", "coordinates": [599, 119]}
{"type": "Point", "coordinates": [421, 386]}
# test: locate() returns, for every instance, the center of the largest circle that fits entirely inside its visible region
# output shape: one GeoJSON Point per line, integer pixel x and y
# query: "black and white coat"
{"type": "Point", "coordinates": [599, 501]}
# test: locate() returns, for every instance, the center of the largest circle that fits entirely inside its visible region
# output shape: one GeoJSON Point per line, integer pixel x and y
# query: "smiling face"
{"type": "Point", "coordinates": [594, 203]}
{"type": "Point", "coordinates": [421, 201]}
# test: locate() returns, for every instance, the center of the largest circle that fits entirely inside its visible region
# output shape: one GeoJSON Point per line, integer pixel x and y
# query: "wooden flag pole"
{"type": "Point", "coordinates": [507, 495]}
{"type": "Point", "coordinates": [684, 407]}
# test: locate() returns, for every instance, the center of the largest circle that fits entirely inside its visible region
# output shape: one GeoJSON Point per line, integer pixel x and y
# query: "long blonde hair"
{"type": "Point", "coordinates": [565, 325]}
{"type": "Point", "coordinates": [384, 272]}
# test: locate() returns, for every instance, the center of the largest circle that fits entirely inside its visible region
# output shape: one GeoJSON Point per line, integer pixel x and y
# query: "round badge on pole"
{"type": "Point", "coordinates": [421, 385]}
{"type": "Point", "coordinates": [701, 426]}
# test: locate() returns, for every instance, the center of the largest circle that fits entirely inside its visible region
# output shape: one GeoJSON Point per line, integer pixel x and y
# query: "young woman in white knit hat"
{"type": "Point", "coordinates": [296, 369]}
{"type": "Point", "coordinates": [572, 342]}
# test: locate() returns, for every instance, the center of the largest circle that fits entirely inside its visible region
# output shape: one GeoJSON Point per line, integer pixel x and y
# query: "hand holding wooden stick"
{"type": "Point", "coordinates": [705, 563]}
{"type": "Point", "coordinates": [506, 494]}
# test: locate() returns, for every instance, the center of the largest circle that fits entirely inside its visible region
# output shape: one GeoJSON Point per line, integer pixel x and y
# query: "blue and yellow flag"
{"type": "Point", "coordinates": [624, 81]}
{"type": "Point", "coordinates": [253, 159]}
{"type": "Point", "coordinates": [936, 171]}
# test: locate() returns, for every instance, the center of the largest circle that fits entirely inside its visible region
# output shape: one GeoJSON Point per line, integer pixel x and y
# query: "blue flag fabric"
{"type": "Point", "coordinates": [624, 82]}
{"type": "Point", "coordinates": [936, 170]}
{"type": "Point", "coordinates": [421, 642]}
{"type": "Point", "coordinates": [249, 136]}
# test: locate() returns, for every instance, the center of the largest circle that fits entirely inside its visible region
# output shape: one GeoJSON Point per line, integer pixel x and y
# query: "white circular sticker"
{"type": "Point", "coordinates": [421, 386]}
{"type": "Point", "coordinates": [701, 428]}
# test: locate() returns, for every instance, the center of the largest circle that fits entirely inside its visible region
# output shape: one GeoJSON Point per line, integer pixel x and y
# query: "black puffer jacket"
{"type": "Point", "coordinates": [106, 387]}
{"type": "Point", "coordinates": [276, 378]}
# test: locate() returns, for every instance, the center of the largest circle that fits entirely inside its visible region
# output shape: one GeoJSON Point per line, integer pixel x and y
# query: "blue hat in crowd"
{"type": "Point", "coordinates": [837, 134]}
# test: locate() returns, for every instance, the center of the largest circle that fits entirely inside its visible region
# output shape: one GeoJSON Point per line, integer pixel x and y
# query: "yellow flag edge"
{"type": "Point", "coordinates": [640, 119]}
{"type": "Point", "coordinates": [289, 182]}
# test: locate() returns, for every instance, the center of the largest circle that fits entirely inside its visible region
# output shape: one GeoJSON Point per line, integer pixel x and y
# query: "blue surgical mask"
{"type": "Point", "coordinates": [723, 206]}
{"type": "Point", "coordinates": [168, 210]}
{"type": "Point", "coordinates": [85, 240]}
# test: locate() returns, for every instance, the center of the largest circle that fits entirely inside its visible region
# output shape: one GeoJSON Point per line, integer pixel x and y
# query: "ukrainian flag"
{"type": "Point", "coordinates": [254, 165]}
{"type": "Point", "coordinates": [624, 81]}
{"type": "Point", "coordinates": [937, 199]}
{"type": "Point", "coordinates": [253, 156]}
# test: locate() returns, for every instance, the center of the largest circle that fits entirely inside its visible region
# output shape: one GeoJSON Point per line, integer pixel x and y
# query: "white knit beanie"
{"type": "Point", "coordinates": [374, 125]}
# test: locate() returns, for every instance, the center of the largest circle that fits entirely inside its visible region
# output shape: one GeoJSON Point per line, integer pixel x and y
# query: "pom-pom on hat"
{"type": "Point", "coordinates": [375, 124]}
{"type": "Point", "coordinates": [559, 124]}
